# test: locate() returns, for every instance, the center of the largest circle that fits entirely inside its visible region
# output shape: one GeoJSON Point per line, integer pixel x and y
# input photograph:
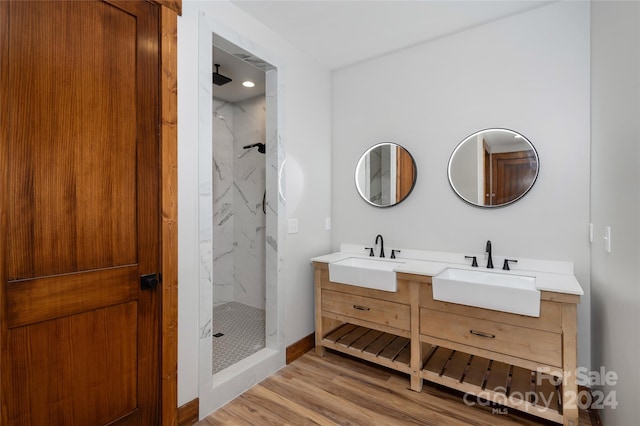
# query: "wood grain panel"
{"type": "Point", "coordinates": [175, 6]}
{"type": "Point", "coordinates": [367, 339]}
{"type": "Point", "coordinates": [121, 365]}
{"type": "Point", "coordinates": [47, 298]}
{"type": "Point", "coordinates": [300, 348]}
{"type": "Point", "coordinates": [512, 174]}
{"type": "Point", "coordinates": [422, 279]}
{"type": "Point", "coordinates": [405, 174]}
{"type": "Point", "coordinates": [340, 332]}
{"type": "Point", "coordinates": [569, 347]}
{"type": "Point", "coordinates": [477, 371]}
{"type": "Point", "coordinates": [354, 335]}
{"type": "Point", "coordinates": [73, 173]}
{"type": "Point", "coordinates": [525, 343]}
{"type": "Point", "coordinates": [321, 326]}
{"type": "Point", "coordinates": [484, 353]}
{"type": "Point", "coordinates": [521, 383]}
{"type": "Point", "coordinates": [498, 377]}
{"type": "Point", "coordinates": [169, 207]}
{"type": "Point", "coordinates": [4, 201]}
{"type": "Point", "coordinates": [457, 364]}
{"type": "Point", "coordinates": [368, 309]}
{"type": "Point", "coordinates": [83, 214]}
{"type": "Point", "coordinates": [547, 394]}
{"type": "Point", "coordinates": [392, 350]}
{"type": "Point", "coordinates": [378, 345]}
{"type": "Point", "coordinates": [149, 211]}
{"type": "Point", "coordinates": [65, 380]}
{"type": "Point", "coordinates": [560, 297]}
{"type": "Point", "coordinates": [404, 357]}
{"type": "Point", "coordinates": [382, 348]}
{"type": "Point", "coordinates": [438, 360]}
{"type": "Point", "coordinates": [188, 413]}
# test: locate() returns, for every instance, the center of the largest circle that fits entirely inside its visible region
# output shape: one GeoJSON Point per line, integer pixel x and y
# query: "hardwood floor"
{"type": "Point", "coordinates": [338, 390]}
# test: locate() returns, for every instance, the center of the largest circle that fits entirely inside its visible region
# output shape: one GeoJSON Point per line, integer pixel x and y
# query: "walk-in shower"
{"type": "Point", "coordinates": [241, 218]}
{"type": "Point", "coordinates": [239, 212]}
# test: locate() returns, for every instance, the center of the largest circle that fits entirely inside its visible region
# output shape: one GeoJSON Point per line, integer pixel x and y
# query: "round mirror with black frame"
{"type": "Point", "coordinates": [493, 168]}
{"type": "Point", "coordinates": [385, 174]}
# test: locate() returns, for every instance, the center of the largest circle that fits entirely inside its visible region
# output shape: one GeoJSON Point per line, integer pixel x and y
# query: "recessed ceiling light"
{"type": "Point", "coordinates": [248, 84]}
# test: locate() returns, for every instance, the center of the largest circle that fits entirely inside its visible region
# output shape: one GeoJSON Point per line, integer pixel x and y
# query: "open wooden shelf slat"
{"type": "Point", "coordinates": [476, 371]}
{"type": "Point", "coordinates": [374, 346]}
{"type": "Point", "coordinates": [457, 365]}
{"type": "Point", "coordinates": [498, 377]}
{"type": "Point", "coordinates": [490, 380]}
{"type": "Point", "coordinates": [475, 375]}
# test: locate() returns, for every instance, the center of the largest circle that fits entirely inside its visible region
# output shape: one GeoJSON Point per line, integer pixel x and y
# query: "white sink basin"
{"type": "Point", "coordinates": [362, 272]}
{"type": "Point", "coordinates": [516, 294]}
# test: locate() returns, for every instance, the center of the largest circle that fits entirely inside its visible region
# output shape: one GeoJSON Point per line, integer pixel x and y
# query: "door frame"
{"type": "Point", "coordinates": [214, 390]}
{"type": "Point", "coordinates": [169, 11]}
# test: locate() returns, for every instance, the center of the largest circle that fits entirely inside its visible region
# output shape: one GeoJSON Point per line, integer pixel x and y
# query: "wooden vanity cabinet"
{"type": "Point", "coordinates": [520, 362]}
{"type": "Point", "coordinates": [370, 324]}
{"type": "Point", "coordinates": [514, 360]}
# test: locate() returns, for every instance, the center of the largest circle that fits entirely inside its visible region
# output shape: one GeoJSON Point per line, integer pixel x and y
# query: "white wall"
{"type": "Point", "coordinates": [306, 135]}
{"type": "Point", "coordinates": [615, 202]}
{"type": "Point", "coordinates": [529, 73]}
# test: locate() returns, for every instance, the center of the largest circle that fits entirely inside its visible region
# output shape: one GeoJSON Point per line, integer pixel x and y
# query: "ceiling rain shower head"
{"type": "Point", "coordinates": [219, 79]}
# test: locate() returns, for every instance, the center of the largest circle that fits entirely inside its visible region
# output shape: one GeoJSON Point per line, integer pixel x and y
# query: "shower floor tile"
{"type": "Point", "coordinates": [243, 331]}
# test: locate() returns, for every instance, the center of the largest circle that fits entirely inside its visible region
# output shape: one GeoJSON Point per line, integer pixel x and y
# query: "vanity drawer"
{"type": "Point", "coordinates": [377, 311]}
{"type": "Point", "coordinates": [550, 318]}
{"type": "Point", "coordinates": [526, 343]}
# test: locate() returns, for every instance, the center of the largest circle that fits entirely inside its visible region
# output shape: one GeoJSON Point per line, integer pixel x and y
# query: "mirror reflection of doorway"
{"type": "Point", "coordinates": [508, 175]}
{"type": "Point", "coordinates": [385, 174]}
{"type": "Point", "coordinates": [405, 174]}
{"type": "Point", "coordinates": [493, 167]}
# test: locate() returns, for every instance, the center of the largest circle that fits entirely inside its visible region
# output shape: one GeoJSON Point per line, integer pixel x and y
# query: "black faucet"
{"type": "Point", "coordinates": [505, 265]}
{"type": "Point", "coordinates": [488, 250]}
{"type": "Point", "coordinates": [381, 244]}
{"type": "Point", "coordinates": [474, 263]}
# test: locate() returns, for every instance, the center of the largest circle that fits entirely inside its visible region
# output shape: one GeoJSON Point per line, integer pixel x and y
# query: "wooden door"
{"type": "Point", "coordinates": [79, 160]}
{"type": "Point", "coordinates": [405, 174]}
{"type": "Point", "coordinates": [513, 173]}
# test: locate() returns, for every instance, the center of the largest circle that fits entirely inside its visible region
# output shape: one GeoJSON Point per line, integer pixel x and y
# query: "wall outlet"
{"type": "Point", "coordinates": [327, 223]}
{"type": "Point", "coordinates": [293, 226]}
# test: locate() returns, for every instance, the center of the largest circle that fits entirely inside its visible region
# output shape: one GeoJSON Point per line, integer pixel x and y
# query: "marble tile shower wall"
{"type": "Point", "coordinates": [236, 266]}
{"type": "Point", "coordinates": [217, 262]}
{"type": "Point", "coordinates": [249, 193]}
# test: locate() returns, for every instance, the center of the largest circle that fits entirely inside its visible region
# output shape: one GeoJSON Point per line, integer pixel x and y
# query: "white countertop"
{"type": "Point", "coordinates": [550, 276]}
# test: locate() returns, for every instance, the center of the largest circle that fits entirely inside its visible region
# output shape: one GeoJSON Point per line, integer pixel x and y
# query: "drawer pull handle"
{"type": "Point", "coordinates": [481, 334]}
{"type": "Point", "coordinates": [361, 308]}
